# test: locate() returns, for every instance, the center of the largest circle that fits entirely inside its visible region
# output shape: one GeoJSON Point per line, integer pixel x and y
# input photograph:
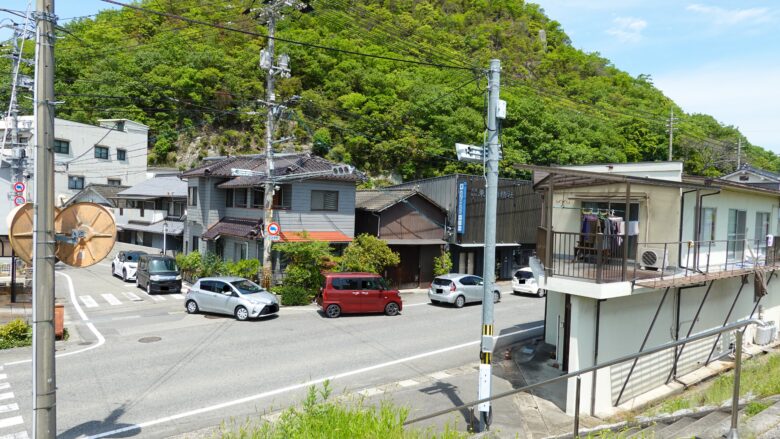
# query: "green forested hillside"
{"type": "Point", "coordinates": [198, 86]}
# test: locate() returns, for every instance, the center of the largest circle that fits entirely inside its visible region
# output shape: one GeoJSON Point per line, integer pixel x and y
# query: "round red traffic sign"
{"type": "Point", "coordinates": [19, 186]}
{"type": "Point", "coordinates": [19, 200]}
{"type": "Point", "coordinates": [273, 229]}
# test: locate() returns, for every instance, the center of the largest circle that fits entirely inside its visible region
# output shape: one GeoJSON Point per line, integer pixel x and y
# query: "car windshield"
{"type": "Point", "coordinates": [441, 282]}
{"type": "Point", "coordinates": [133, 257]}
{"type": "Point", "coordinates": [162, 265]}
{"type": "Point", "coordinates": [524, 275]}
{"type": "Point", "coordinates": [247, 286]}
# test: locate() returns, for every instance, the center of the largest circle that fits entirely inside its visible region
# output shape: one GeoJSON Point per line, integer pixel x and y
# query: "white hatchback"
{"type": "Point", "coordinates": [523, 281]}
{"type": "Point", "coordinates": [125, 264]}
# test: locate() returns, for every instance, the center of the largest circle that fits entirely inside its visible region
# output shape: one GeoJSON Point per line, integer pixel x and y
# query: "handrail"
{"type": "Point", "coordinates": [700, 336]}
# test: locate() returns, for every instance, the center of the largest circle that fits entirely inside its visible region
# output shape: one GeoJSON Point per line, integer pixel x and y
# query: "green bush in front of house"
{"type": "Point", "coordinates": [306, 262]}
{"type": "Point", "coordinates": [368, 253]}
{"type": "Point", "coordinates": [442, 264]}
{"type": "Point", "coordinates": [246, 268]}
{"type": "Point", "coordinates": [292, 295]}
{"type": "Point", "coordinates": [15, 333]}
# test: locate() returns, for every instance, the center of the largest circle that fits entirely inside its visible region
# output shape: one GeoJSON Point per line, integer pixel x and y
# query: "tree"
{"type": "Point", "coordinates": [307, 259]}
{"type": "Point", "coordinates": [442, 264]}
{"type": "Point", "coordinates": [368, 253]}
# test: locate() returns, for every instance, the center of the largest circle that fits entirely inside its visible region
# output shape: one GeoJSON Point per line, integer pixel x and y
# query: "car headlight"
{"type": "Point", "coordinates": [178, 277]}
{"type": "Point", "coordinates": [155, 277]}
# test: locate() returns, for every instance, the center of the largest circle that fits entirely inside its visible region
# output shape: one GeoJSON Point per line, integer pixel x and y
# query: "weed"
{"type": "Point", "coordinates": [755, 407]}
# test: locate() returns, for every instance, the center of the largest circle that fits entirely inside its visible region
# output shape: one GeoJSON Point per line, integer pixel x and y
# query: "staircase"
{"type": "Point", "coordinates": [707, 424]}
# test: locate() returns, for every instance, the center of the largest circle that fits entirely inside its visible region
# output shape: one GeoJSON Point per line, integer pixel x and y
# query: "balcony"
{"type": "Point", "coordinates": [127, 215]}
{"type": "Point", "coordinates": [610, 259]}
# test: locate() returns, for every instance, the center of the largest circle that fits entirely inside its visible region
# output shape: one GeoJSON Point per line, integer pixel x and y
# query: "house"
{"type": "Point", "coordinates": [225, 212]}
{"type": "Point", "coordinates": [747, 174]}
{"type": "Point", "coordinates": [103, 194]}
{"type": "Point", "coordinates": [463, 198]}
{"type": "Point", "coordinates": [634, 261]}
{"type": "Point", "coordinates": [411, 224]}
{"type": "Point", "coordinates": [152, 212]}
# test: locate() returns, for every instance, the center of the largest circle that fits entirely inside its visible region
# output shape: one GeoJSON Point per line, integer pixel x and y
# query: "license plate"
{"type": "Point", "coordinates": [439, 291]}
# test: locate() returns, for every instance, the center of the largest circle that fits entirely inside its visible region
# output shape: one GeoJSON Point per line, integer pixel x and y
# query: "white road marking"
{"type": "Point", "coordinates": [3, 376]}
{"type": "Point", "coordinates": [371, 392]}
{"type": "Point", "coordinates": [178, 296]}
{"type": "Point", "coordinates": [156, 298]}
{"type": "Point", "coordinates": [126, 317]}
{"type": "Point", "coordinates": [111, 299]}
{"type": "Point", "coordinates": [4, 386]}
{"type": "Point", "coordinates": [10, 422]}
{"type": "Point", "coordinates": [9, 408]}
{"type": "Point", "coordinates": [20, 435]}
{"type": "Point", "coordinates": [415, 304]}
{"type": "Point", "coordinates": [299, 386]}
{"type": "Point", "coordinates": [440, 375]}
{"type": "Point", "coordinates": [132, 296]}
{"type": "Point", "coordinates": [6, 395]}
{"type": "Point", "coordinates": [408, 383]}
{"type": "Point", "coordinates": [88, 301]}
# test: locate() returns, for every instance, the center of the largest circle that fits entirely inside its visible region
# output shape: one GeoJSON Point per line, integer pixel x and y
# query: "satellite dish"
{"type": "Point", "coordinates": [20, 230]}
{"type": "Point", "coordinates": [86, 232]}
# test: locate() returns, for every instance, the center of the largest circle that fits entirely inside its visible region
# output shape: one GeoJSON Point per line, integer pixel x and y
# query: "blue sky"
{"type": "Point", "coordinates": [716, 57]}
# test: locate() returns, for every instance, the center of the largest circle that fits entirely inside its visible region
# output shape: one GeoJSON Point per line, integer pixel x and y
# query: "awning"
{"type": "Point", "coordinates": [237, 227]}
{"type": "Point", "coordinates": [315, 236]}
{"type": "Point", "coordinates": [498, 244]}
{"type": "Point", "coordinates": [174, 227]}
{"type": "Point", "coordinates": [413, 241]}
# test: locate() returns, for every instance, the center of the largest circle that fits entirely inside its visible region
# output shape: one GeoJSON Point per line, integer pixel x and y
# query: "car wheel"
{"type": "Point", "coordinates": [124, 275]}
{"type": "Point", "coordinates": [460, 301]}
{"type": "Point", "coordinates": [391, 309]}
{"type": "Point", "coordinates": [496, 297]}
{"type": "Point", "coordinates": [113, 270]}
{"type": "Point", "coordinates": [192, 307]}
{"type": "Point", "coordinates": [149, 288]}
{"type": "Point", "coordinates": [333, 311]}
{"type": "Point", "coordinates": [541, 293]}
{"type": "Point", "coordinates": [241, 313]}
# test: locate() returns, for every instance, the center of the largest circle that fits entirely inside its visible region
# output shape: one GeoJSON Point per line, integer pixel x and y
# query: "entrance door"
{"type": "Point", "coordinates": [566, 333]}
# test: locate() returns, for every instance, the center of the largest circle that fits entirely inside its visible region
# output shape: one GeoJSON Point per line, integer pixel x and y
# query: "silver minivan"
{"type": "Point", "coordinates": [235, 296]}
{"type": "Point", "coordinates": [459, 289]}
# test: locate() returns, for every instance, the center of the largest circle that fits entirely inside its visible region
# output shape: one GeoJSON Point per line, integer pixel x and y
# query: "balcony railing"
{"type": "Point", "coordinates": [126, 215]}
{"type": "Point", "coordinates": [615, 258]}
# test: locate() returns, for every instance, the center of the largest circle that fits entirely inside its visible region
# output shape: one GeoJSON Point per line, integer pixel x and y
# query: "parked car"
{"type": "Point", "coordinates": [125, 264]}
{"type": "Point", "coordinates": [357, 293]}
{"type": "Point", "coordinates": [235, 296]}
{"type": "Point", "coordinates": [459, 289]}
{"type": "Point", "coordinates": [158, 274]}
{"type": "Point", "coordinates": [523, 281]}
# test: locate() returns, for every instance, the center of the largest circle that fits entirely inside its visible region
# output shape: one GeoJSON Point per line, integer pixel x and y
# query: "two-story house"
{"type": "Point", "coordinates": [747, 174]}
{"type": "Point", "coordinates": [463, 198]}
{"type": "Point", "coordinates": [225, 212]}
{"type": "Point", "coordinates": [153, 212]}
{"type": "Point", "coordinates": [634, 256]}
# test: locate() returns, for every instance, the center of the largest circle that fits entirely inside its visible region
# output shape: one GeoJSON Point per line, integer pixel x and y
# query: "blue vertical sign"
{"type": "Point", "coordinates": [461, 207]}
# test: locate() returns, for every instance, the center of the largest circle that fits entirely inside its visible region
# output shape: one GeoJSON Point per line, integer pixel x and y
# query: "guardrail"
{"type": "Point", "coordinates": [577, 375]}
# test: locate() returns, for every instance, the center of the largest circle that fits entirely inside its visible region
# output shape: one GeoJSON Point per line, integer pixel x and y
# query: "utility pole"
{"type": "Point", "coordinates": [489, 268]}
{"type": "Point", "coordinates": [44, 383]}
{"type": "Point", "coordinates": [671, 132]}
{"type": "Point", "coordinates": [271, 12]}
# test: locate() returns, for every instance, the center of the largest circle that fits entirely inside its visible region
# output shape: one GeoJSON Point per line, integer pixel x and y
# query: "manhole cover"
{"type": "Point", "coordinates": [149, 339]}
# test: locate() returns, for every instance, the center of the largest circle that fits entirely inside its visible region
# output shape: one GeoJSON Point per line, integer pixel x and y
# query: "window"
{"type": "Point", "coordinates": [239, 251]}
{"type": "Point", "coordinates": [192, 196]}
{"type": "Point", "coordinates": [736, 234]}
{"type": "Point", "coordinates": [194, 243]}
{"type": "Point", "coordinates": [325, 200]}
{"type": "Point", "coordinates": [228, 197]}
{"type": "Point", "coordinates": [258, 198]}
{"type": "Point", "coordinates": [239, 197]}
{"type": "Point", "coordinates": [761, 230]}
{"type": "Point", "coordinates": [283, 197]}
{"type": "Point", "coordinates": [61, 146]}
{"type": "Point", "coordinates": [101, 152]}
{"type": "Point", "coordinates": [114, 182]}
{"type": "Point", "coordinates": [121, 154]}
{"type": "Point", "coordinates": [348, 283]}
{"type": "Point", "coordinates": [75, 182]}
{"type": "Point", "coordinates": [707, 232]}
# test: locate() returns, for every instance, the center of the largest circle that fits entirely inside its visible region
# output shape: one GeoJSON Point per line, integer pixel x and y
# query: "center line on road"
{"type": "Point", "coordinates": [290, 388]}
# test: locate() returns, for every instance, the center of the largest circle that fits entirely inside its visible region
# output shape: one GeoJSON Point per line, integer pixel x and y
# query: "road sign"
{"type": "Point", "coordinates": [19, 187]}
{"type": "Point", "coordinates": [19, 200]}
{"type": "Point", "coordinates": [275, 237]}
{"type": "Point", "coordinates": [273, 229]}
{"type": "Point", "coordinates": [473, 153]}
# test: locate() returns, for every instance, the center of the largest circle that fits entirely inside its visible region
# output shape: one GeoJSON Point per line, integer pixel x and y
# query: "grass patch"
{"type": "Point", "coordinates": [755, 407]}
{"type": "Point", "coordinates": [320, 417]}
{"type": "Point", "coordinates": [15, 333]}
{"type": "Point", "coordinates": [760, 378]}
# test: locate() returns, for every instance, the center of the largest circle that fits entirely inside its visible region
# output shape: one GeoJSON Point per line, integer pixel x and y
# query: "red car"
{"type": "Point", "coordinates": [357, 293]}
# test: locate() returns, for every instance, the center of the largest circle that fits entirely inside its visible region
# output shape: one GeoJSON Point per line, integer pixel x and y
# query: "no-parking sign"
{"type": "Point", "coordinates": [273, 231]}
{"type": "Point", "coordinates": [19, 200]}
{"type": "Point", "coordinates": [19, 186]}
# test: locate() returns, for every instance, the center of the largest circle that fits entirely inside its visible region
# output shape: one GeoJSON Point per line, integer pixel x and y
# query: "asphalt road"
{"type": "Point", "coordinates": [136, 366]}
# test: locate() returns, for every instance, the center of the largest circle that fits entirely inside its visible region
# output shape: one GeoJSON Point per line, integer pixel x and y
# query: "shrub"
{"type": "Point", "coordinates": [189, 264]}
{"type": "Point", "coordinates": [15, 333]}
{"type": "Point", "coordinates": [293, 295]}
{"type": "Point", "coordinates": [210, 265]}
{"type": "Point", "coordinates": [307, 260]}
{"type": "Point", "coordinates": [247, 268]}
{"type": "Point", "coordinates": [368, 253]}
{"type": "Point", "coordinates": [442, 264]}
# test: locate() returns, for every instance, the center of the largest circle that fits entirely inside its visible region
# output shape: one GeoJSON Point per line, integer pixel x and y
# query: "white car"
{"type": "Point", "coordinates": [523, 281]}
{"type": "Point", "coordinates": [125, 264]}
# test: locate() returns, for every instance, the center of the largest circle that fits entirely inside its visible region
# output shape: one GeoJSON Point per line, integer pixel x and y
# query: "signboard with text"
{"type": "Point", "coordinates": [461, 218]}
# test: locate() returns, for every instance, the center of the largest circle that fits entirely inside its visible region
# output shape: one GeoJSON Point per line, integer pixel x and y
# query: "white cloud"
{"type": "Point", "coordinates": [627, 29]}
{"type": "Point", "coordinates": [731, 17]}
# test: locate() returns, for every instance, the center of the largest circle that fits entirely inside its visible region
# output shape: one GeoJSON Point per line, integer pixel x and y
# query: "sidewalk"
{"type": "Point", "coordinates": [503, 285]}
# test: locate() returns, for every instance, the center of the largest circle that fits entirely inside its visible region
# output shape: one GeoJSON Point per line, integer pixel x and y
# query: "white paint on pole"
{"type": "Point", "coordinates": [484, 387]}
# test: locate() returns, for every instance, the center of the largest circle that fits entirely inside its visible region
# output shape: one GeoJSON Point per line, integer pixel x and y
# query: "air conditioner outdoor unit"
{"type": "Point", "coordinates": [652, 258]}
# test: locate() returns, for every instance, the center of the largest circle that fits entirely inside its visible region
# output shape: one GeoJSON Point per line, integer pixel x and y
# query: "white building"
{"type": "Point", "coordinates": [644, 259]}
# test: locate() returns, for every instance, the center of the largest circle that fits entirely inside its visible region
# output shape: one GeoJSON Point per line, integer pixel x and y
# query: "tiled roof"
{"type": "Point", "coordinates": [286, 165]}
{"type": "Point", "coordinates": [315, 236]}
{"type": "Point", "coordinates": [764, 173]}
{"type": "Point", "coordinates": [106, 191]}
{"type": "Point", "coordinates": [377, 200]}
{"type": "Point", "coordinates": [157, 187]}
{"type": "Point", "coordinates": [237, 227]}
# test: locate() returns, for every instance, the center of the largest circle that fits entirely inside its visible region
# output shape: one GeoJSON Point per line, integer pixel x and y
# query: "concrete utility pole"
{"type": "Point", "coordinates": [44, 383]}
{"type": "Point", "coordinates": [671, 132]}
{"type": "Point", "coordinates": [489, 268]}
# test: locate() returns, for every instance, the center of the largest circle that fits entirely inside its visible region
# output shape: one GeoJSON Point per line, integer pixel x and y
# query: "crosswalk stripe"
{"type": "Point", "coordinates": [20, 435]}
{"type": "Point", "coordinates": [3, 376]}
{"type": "Point", "coordinates": [156, 298]}
{"type": "Point", "coordinates": [88, 301]}
{"type": "Point", "coordinates": [132, 297]}
{"type": "Point", "coordinates": [6, 395]}
{"type": "Point", "coordinates": [111, 299]}
{"type": "Point", "coordinates": [9, 408]}
{"type": "Point", "coordinates": [4, 386]}
{"type": "Point", "coordinates": [178, 296]}
{"type": "Point", "coordinates": [10, 422]}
